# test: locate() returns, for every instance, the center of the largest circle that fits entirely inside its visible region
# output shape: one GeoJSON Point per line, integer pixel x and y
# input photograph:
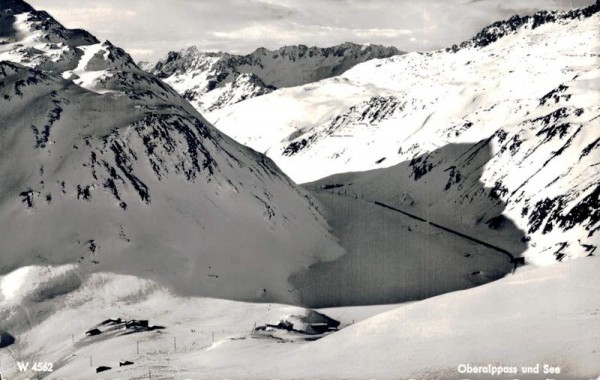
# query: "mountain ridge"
{"type": "Point", "coordinates": [196, 74]}
{"type": "Point", "coordinates": [108, 168]}
{"type": "Point", "coordinates": [499, 29]}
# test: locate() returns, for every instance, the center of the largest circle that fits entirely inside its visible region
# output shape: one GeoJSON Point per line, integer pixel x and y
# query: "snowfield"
{"type": "Point", "coordinates": [545, 315]}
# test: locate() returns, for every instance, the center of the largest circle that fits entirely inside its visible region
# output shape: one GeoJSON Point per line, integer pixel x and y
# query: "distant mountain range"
{"type": "Point", "coordinates": [211, 81]}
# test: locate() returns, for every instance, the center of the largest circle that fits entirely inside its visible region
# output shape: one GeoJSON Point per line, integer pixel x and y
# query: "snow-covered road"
{"type": "Point", "coordinates": [447, 229]}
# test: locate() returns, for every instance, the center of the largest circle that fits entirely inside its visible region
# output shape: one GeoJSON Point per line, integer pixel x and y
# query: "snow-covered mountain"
{"type": "Point", "coordinates": [104, 165]}
{"type": "Point", "coordinates": [504, 127]}
{"type": "Point", "coordinates": [211, 81]}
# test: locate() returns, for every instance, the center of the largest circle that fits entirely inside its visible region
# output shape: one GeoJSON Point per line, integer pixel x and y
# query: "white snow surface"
{"type": "Point", "coordinates": [81, 75]}
{"type": "Point", "coordinates": [535, 316]}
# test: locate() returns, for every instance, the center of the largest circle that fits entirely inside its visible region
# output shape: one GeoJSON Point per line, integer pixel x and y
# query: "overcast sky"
{"type": "Point", "coordinates": [147, 29]}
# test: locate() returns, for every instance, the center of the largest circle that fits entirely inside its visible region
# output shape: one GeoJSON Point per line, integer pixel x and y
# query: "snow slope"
{"type": "Point", "coordinates": [544, 315]}
{"type": "Point", "coordinates": [523, 94]}
{"type": "Point", "coordinates": [105, 166]}
{"type": "Point", "coordinates": [211, 81]}
{"type": "Point", "coordinates": [52, 328]}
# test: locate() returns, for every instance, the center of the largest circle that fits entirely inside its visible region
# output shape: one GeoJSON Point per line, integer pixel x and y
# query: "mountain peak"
{"type": "Point", "coordinates": [112, 152]}
{"type": "Point", "coordinates": [500, 29]}
{"type": "Point", "coordinates": [15, 7]}
{"type": "Point", "coordinates": [19, 16]}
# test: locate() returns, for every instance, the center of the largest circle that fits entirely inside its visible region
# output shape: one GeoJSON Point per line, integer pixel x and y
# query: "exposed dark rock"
{"type": "Point", "coordinates": [6, 339]}
{"type": "Point", "coordinates": [103, 368]}
{"type": "Point", "coordinates": [93, 332]}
